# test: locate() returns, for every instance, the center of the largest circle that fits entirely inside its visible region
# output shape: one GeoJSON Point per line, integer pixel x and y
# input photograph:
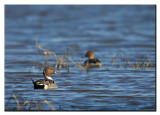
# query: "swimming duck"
{"type": "Point", "coordinates": [48, 82]}
{"type": "Point", "coordinates": [92, 61]}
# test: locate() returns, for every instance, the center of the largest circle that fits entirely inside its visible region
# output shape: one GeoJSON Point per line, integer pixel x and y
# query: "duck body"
{"type": "Point", "coordinates": [46, 83]}
{"type": "Point", "coordinates": [92, 61]}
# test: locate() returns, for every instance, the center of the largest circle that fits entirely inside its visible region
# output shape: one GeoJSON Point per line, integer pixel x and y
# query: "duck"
{"type": "Point", "coordinates": [92, 61]}
{"type": "Point", "coordinates": [48, 82]}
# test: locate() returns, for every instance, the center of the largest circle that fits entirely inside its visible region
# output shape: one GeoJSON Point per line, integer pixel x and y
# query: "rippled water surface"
{"type": "Point", "coordinates": [106, 30]}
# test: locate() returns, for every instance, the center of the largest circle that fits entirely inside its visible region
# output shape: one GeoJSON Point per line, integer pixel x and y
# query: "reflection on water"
{"type": "Point", "coordinates": [104, 29]}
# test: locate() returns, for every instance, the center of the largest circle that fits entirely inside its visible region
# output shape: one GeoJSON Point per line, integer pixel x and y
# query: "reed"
{"type": "Point", "coordinates": [62, 62]}
{"type": "Point", "coordinates": [29, 105]}
{"type": "Point", "coordinates": [121, 59]}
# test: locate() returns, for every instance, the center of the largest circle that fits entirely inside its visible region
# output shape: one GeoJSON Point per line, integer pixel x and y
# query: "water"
{"type": "Point", "coordinates": [106, 30]}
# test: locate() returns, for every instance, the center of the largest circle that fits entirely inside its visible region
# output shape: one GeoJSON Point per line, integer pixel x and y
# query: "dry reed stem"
{"type": "Point", "coordinates": [113, 62]}
{"type": "Point", "coordinates": [47, 52]}
{"type": "Point", "coordinates": [80, 66]}
{"type": "Point", "coordinates": [132, 66]}
{"type": "Point", "coordinates": [16, 100]}
{"type": "Point", "coordinates": [21, 106]}
{"type": "Point", "coordinates": [48, 103]}
{"type": "Point", "coordinates": [60, 62]}
{"type": "Point", "coordinates": [46, 57]}
{"type": "Point", "coordinates": [86, 67]}
{"type": "Point", "coordinates": [38, 105]}
{"type": "Point", "coordinates": [139, 65]}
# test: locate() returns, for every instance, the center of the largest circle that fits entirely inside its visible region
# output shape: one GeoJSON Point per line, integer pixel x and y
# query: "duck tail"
{"type": "Point", "coordinates": [32, 80]}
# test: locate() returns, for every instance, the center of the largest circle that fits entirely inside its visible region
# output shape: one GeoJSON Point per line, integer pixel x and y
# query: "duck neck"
{"type": "Point", "coordinates": [91, 57]}
{"type": "Point", "coordinates": [49, 78]}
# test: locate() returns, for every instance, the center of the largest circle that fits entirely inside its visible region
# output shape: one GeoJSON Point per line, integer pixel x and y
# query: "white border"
{"type": "Point", "coordinates": [91, 2]}
{"type": "Point", "coordinates": [80, 1]}
{"type": "Point", "coordinates": [2, 56]}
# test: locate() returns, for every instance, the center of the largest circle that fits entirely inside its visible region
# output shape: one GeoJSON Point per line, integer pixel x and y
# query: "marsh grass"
{"type": "Point", "coordinates": [120, 60]}
{"type": "Point", "coordinates": [26, 105]}
{"type": "Point", "coordinates": [62, 62]}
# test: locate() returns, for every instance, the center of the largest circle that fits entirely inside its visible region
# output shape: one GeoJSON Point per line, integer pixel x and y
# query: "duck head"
{"type": "Point", "coordinates": [48, 71]}
{"type": "Point", "coordinates": [90, 54]}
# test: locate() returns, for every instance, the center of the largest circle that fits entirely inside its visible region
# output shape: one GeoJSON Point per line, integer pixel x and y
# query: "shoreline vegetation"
{"type": "Point", "coordinates": [26, 105]}
{"type": "Point", "coordinates": [61, 62]}
{"type": "Point", "coordinates": [120, 60]}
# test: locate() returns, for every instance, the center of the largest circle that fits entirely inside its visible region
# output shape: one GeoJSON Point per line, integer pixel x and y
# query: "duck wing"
{"type": "Point", "coordinates": [92, 61]}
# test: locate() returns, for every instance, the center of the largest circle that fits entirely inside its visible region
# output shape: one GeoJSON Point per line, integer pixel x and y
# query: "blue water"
{"type": "Point", "coordinates": [105, 29]}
